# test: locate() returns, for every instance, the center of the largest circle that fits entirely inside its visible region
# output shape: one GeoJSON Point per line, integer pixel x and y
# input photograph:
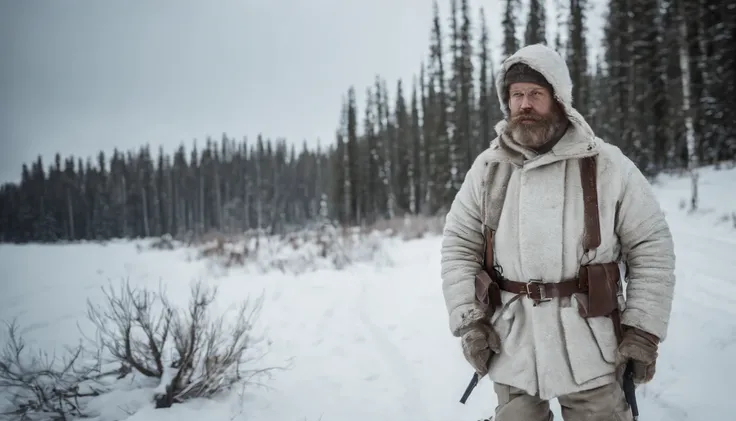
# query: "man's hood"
{"type": "Point", "coordinates": [553, 67]}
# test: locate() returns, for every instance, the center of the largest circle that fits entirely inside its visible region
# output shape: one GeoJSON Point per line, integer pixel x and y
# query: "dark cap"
{"type": "Point", "coordinates": [521, 72]}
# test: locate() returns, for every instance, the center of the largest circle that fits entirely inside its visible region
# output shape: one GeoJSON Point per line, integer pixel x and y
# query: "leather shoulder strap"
{"type": "Point", "coordinates": [494, 185]}
{"type": "Point", "coordinates": [488, 258]}
{"type": "Point", "coordinates": [592, 234]}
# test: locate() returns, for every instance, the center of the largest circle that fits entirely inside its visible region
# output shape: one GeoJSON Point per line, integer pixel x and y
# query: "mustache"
{"type": "Point", "coordinates": [528, 116]}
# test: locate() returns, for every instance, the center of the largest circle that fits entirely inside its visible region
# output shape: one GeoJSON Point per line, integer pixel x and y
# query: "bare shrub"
{"type": "Point", "coordinates": [353, 246]}
{"type": "Point", "coordinates": [165, 242]}
{"type": "Point", "coordinates": [723, 218]}
{"type": "Point", "coordinates": [419, 226]}
{"type": "Point", "coordinates": [216, 249]}
{"type": "Point", "coordinates": [44, 386]}
{"type": "Point", "coordinates": [133, 326]}
{"type": "Point", "coordinates": [409, 227]}
{"type": "Point", "coordinates": [226, 251]}
{"type": "Point", "coordinates": [191, 353]}
{"type": "Point", "coordinates": [210, 354]}
{"type": "Point", "coordinates": [327, 247]}
{"type": "Point", "coordinates": [318, 246]}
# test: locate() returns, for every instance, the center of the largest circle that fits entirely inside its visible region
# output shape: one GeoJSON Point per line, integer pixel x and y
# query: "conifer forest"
{"type": "Point", "coordinates": [663, 89]}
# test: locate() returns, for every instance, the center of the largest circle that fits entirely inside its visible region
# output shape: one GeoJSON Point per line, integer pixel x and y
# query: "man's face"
{"type": "Point", "coordinates": [534, 117]}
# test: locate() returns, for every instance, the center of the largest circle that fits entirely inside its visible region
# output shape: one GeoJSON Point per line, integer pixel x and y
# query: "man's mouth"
{"type": "Point", "coordinates": [528, 120]}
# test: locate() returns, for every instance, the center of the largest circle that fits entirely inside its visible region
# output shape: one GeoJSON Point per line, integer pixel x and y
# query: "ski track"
{"type": "Point", "coordinates": [397, 361]}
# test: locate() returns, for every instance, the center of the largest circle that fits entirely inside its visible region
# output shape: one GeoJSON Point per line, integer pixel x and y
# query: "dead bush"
{"type": "Point", "coordinates": [193, 354]}
{"type": "Point", "coordinates": [216, 249]}
{"type": "Point", "coordinates": [165, 242]}
{"type": "Point", "coordinates": [226, 252]}
{"type": "Point", "coordinates": [409, 227]}
{"type": "Point", "coordinates": [418, 226]}
{"type": "Point", "coordinates": [326, 247]}
{"type": "Point", "coordinates": [320, 246]}
{"type": "Point", "coordinates": [133, 326]}
{"type": "Point", "coordinates": [44, 386]}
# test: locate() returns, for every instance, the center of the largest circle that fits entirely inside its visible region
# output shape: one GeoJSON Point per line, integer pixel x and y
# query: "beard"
{"type": "Point", "coordinates": [533, 130]}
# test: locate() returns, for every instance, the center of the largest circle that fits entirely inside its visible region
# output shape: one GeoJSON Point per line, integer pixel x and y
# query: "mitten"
{"type": "Point", "coordinates": [478, 344]}
{"type": "Point", "coordinates": [641, 348]}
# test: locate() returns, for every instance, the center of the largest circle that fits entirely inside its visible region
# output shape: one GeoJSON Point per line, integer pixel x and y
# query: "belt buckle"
{"type": "Point", "coordinates": [540, 289]}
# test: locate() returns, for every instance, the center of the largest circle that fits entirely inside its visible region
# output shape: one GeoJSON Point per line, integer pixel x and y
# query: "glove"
{"type": "Point", "coordinates": [479, 343]}
{"type": "Point", "coordinates": [641, 348]}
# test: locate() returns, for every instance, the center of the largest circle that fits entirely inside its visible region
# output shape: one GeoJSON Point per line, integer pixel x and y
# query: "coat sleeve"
{"type": "Point", "coordinates": [648, 249]}
{"type": "Point", "coordinates": [462, 251]}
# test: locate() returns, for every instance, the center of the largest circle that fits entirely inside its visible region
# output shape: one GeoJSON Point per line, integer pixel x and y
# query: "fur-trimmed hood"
{"type": "Point", "coordinates": [552, 66]}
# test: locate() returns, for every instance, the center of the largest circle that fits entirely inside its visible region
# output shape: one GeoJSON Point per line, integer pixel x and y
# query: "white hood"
{"type": "Point", "coordinates": [553, 67]}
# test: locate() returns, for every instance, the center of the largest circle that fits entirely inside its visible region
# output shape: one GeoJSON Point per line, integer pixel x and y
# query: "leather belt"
{"type": "Point", "coordinates": [540, 291]}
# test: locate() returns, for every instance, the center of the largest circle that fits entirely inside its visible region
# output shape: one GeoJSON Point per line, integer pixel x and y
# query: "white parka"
{"type": "Point", "coordinates": [550, 350]}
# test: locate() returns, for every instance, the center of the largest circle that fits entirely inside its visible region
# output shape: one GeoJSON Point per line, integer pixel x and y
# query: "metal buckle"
{"type": "Point", "coordinates": [540, 289]}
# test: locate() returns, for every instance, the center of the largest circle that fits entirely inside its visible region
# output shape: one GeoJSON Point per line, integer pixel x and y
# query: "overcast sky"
{"type": "Point", "coordinates": [80, 76]}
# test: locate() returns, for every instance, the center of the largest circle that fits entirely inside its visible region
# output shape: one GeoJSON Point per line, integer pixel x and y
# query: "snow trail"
{"type": "Point", "coordinates": [398, 362]}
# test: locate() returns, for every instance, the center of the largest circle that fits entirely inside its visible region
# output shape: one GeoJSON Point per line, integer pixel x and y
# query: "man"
{"type": "Point", "coordinates": [547, 337]}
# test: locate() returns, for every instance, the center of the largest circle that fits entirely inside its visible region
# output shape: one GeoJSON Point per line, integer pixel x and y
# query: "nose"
{"type": "Point", "coordinates": [525, 103]}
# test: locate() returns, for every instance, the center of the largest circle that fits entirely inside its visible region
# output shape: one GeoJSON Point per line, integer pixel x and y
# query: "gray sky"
{"type": "Point", "coordinates": [80, 76]}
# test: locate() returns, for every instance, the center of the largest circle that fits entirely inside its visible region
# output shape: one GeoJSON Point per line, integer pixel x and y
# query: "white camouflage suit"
{"type": "Point", "coordinates": [550, 351]}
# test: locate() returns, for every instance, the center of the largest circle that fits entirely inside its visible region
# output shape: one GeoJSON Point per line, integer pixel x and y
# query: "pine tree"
{"type": "Point", "coordinates": [617, 41]}
{"type": "Point", "coordinates": [372, 185]}
{"type": "Point", "coordinates": [444, 173]}
{"type": "Point", "coordinates": [353, 163]}
{"type": "Point", "coordinates": [509, 23]}
{"type": "Point", "coordinates": [417, 172]}
{"type": "Point", "coordinates": [485, 101]}
{"type": "Point", "coordinates": [577, 56]}
{"type": "Point", "coordinates": [403, 157]}
{"type": "Point", "coordinates": [536, 24]}
{"type": "Point", "coordinates": [465, 107]}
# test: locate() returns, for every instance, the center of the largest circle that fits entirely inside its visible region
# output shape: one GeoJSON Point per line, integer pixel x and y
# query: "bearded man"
{"type": "Point", "coordinates": [546, 227]}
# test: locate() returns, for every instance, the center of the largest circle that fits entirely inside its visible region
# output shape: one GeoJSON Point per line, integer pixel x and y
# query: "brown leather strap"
{"type": "Point", "coordinates": [488, 257]}
{"type": "Point", "coordinates": [592, 233]}
{"type": "Point", "coordinates": [541, 291]}
{"type": "Point", "coordinates": [592, 230]}
{"type": "Point", "coordinates": [617, 327]}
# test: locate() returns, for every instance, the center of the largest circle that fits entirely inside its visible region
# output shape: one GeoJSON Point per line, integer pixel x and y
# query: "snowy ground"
{"type": "Point", "coordinates": [361, 353]}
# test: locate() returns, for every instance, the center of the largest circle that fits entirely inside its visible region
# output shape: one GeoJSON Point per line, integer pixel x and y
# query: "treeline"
{"type": "Point", "coordinates": [224, 186]}
{"type": "Point", "coordinates": [662, 88]}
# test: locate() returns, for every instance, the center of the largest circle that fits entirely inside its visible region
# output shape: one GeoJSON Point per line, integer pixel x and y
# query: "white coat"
{"type": "Point", "coordinates": [550, 350]}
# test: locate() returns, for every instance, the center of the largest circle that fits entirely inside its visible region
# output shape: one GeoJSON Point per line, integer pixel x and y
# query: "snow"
{"type": "Point", "coordinates": [356, 351]}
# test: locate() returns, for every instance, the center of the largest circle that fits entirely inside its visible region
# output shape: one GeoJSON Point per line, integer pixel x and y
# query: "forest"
{"type": "Point", "coordinates": [662, 89]}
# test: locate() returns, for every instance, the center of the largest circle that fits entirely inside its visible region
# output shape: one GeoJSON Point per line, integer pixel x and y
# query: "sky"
{"type": "Point", "coordinates": [83, 76]}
